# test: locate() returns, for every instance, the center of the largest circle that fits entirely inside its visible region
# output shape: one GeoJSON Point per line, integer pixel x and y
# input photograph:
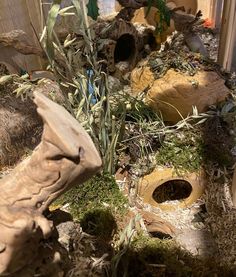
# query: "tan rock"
{"type": "Point", "coordinates": [140, 16]}
{"type": "Point", "coordinates": [175, 94]}
{"type": "Point", "coordinates": [141, 79]}
{"type": "Point", "coordinates": [160, 177]}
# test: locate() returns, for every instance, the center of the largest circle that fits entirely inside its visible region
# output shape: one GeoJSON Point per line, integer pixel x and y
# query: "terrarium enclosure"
{"type": "Point", "coordinates": [30, 17]}
{"type": "Point", "coordinates": [117, 138]}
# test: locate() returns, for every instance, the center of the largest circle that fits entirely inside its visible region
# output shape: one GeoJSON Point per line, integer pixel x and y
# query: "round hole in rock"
{"type": "Point", "coordinates": [176, 189]}
{"type": "Point", "coordinates": [125, 48]}
{"type": "Point", "coordinates": [160, 235]}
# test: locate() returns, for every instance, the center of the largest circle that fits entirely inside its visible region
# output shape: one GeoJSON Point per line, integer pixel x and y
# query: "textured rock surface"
{"type": "Point", "coordinates": [141, 78]}
{"type": "Point", "coordinates": [175, 94]}
{"type": "Point", "coordinates": [20, 124]}
{"type": "Point", "coordinates": [67, 232]}
{"type": "Point", "coordinates": [198, 242]}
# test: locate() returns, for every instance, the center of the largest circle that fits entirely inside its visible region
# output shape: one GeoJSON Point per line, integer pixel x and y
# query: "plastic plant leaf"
{"type": "Point", "coordinates": [93, 10]}
{"type": "Point", "coordinates": [149, 5]}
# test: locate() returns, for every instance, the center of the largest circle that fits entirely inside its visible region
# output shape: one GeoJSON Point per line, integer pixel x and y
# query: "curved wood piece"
{"type": "Point", "coordinates": [65, 157]}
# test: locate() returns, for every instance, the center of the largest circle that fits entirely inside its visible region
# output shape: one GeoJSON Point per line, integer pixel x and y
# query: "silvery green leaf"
{"type": "Point", "coordinates": [228, 107]}
{"type": "Point", "coordinates": [51, 21]}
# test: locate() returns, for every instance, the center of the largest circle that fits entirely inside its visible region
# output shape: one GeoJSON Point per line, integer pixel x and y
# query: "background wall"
{"type": "Point", "coordinates": [24, 15]}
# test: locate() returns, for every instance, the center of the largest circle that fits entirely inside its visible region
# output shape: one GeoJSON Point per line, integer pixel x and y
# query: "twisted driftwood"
{"type": "Point", "coordinates": [66, 156]}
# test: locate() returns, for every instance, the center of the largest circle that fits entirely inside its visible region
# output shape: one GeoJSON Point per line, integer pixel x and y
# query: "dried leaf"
{"type": "Point", "coordinates": [5, 79]}
{"type": "Point", "coordinates": [23, 89]}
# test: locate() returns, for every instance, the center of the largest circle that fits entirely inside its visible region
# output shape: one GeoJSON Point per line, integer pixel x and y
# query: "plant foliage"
{"type": "Point", "coordinates": [163, 14]}
{"type": "Point", "coordinates": [93, 10]}
{"type": "Point", "coordinates": [81, 78]}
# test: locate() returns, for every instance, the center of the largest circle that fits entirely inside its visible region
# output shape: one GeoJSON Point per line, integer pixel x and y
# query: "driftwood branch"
{"type": "Point", "coordinates": [20, 42]}
{"type": "Point", "coordinates": [66, 156]}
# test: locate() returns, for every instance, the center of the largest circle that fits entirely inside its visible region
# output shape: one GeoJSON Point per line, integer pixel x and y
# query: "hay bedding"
{"type": "Point", "coordinates": [20, 128]}
{"type": "Point", "coordinates": [222, 220]}
{"type": "Point", "coordinates": [20, 125]}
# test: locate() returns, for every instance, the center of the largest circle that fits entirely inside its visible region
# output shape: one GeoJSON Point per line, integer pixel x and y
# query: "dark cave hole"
{"type": "Point", "coordinates": [160, 235]}
{"type": "Point", "coordinates": [172, 190]}
{"type": "Point", "coordinates": [125, 48]}
{"type": "Point", "coordinates": [152, 42]}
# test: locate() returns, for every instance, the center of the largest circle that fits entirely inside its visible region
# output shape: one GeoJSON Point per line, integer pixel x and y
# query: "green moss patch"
{"type": "Point", "coordinates": [99, 222]}
{"type": "Point", "coordinates": [154, 257]}
{"type": "Point", "coordinates": [100, 192]}
{"type": "Point", "coordinates": [182, 150]}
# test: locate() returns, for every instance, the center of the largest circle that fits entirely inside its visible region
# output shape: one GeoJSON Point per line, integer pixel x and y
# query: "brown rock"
{"type": "Point", "coordinates": [175, 94]}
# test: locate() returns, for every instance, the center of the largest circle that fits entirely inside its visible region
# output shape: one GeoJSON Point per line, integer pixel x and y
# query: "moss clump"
{"type": "Point", "coordinates": [99, 222]}
{"type": "Point", "coordinates": [164, 252]}
{"type": "Point", "coordinates": [182, 150]}
{"type": "Point", "coordinates": [154, 257]}
{"type": "Point", "coordinates": [207, 145]}
{"type": "Point", "coordinates": [99, 192]}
